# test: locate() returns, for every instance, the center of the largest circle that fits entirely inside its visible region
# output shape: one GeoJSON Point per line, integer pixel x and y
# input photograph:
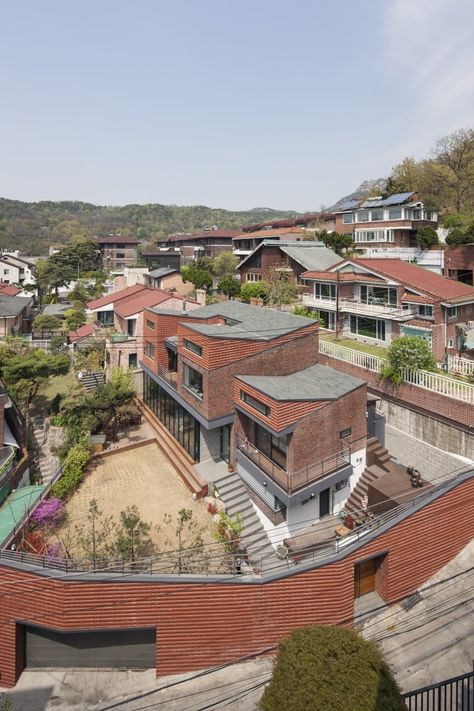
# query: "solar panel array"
{"type": "Point", "coordinates": [396, 199]}
{"type": "Point", "coordinates": [349, 205]}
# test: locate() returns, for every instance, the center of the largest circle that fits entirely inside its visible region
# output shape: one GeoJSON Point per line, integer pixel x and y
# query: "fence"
{"type": "Point", "coordinates": [462, 366]}
{"type": "Point", "coordinates": [455, 694]}
{"type": "Point", "coordinates": [449, 387]}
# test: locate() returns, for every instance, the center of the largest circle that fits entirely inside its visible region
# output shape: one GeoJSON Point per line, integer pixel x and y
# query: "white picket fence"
{"type": "Point", "coordinates": [423, 379]}
{"type": "Point", "coordinates": [460, 365]}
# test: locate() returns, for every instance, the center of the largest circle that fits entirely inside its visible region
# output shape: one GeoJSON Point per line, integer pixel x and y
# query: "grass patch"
{"type": "Point", "coordinates": [355, 345]}
{"type": "Point", "coordinates": [60, 384]}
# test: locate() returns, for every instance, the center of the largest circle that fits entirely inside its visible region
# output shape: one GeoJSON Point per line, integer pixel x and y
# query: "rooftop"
{"type": "Point", "coordinates": [291, 229]}
{"type": "Point", "coordinates": [115, 296]}
{"type": "Point", "coordinates": [311, 255]}
{"type": "Point", "coordinates": [161, 272]}
{"type": "Point", "coordinates": [15, 507]}
{"type": "Point", "coordinates": [9, 289]}
{"type": "Point", "coordinates": [82, 332]}
{"type": "Point", "coordinates": [201, 235]}
{"type": "Point", "coordinates": [137, 302]}
{"type": "Point", "coordinates": [117, 239]}
{"type": "Point", "coordinates": [317, 382]}
{"type": "Point", "coordinates": [11, 306]}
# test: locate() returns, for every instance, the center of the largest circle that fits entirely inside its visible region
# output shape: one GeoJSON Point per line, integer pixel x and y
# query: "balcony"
{"type": "Point", "coordinates": [291, 482]}
{"type": "Point", "coordinates": [318, 303]}
{"type": "Point", "coordinates": [360, 307]}
{"type": "Point", "coordinates": [171, 376]}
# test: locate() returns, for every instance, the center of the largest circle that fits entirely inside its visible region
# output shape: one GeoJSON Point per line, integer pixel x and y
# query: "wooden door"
{"type": "Point", "coordinates": [364, 577]}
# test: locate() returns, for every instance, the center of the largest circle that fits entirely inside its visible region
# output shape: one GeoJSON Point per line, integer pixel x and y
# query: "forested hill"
{"type": "Point", "coordinates": [32, 226]}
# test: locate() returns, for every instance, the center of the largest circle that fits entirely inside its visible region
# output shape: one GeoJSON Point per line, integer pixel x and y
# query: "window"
{"type": "Point", "coordinates": [450, 343]}
{"type": "Point", "coordinates": [120, 255]}
{"type": "Point", "coordinates": [395, 213]}
{"type": "Point", "coordinates": [363, 216]}
{"type": "Point", "coordinates": [193, 347]}
{"type": "Point", "coordinates": [131, 324]}
{"type": "Point", "coordinates": [6, 271]}
{"type": "Point", "coordinates": [368, 327]}
{"type": "Point", "coordinates": [193, 380]}
{"type": "Point", "coordinates": [254, 277]}
{"type": "Point", "coordinates": [373, 236]}
{"type": "Point", "coordinates": [345, 433]}
{"type": "Point", "coordinates": [376, 215]}
{"type": "Point", "coordinates": [328, 318]}
{"type": "Point", "coordinates": [275, 448]}
{"type": "Point", "coordinates": [149, 349]}
{"type": "Point", "coordinates": [426, 311]}
{"type": "Point", "coordinates": [150, 324]}
{"type": "Point", "coordinates": [347, 218]}
{"type": "Point", "coordinates": [132, 360]}
{"type": "Point", "coordinates": [341, 484]}
{"type": "Point", "coordinates": [378, 295]}
{"type": "Point", "coordinates": [452, 311]}
{"type": "Point", "coordinates": [255, 404]}
{"type": "Point", "coordinates": [325, 292]}
{"type": "Point", "coordinates": [106, 318]}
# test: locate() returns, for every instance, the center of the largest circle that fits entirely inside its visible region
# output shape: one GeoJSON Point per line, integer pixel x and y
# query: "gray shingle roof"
{"type": "Point", "coordinates": [157, 273]}
{"type": "Point", "coordinates": [313, 256]}
{"type": "Point", "coordinates": [317, 382]}
{"type": "Point", "coordinates": [11, 306]}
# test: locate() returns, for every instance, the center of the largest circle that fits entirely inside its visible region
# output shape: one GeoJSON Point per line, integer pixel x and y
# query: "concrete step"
{"type": "Point", "coordinates": [229, 489]}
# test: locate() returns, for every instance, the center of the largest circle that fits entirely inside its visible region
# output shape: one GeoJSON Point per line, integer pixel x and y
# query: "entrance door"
{"type": "Point", "coordinates": [364, 576]}
{"type": "Point", "coordinates": [225, 443]}
{"type": "Point", "coordinates": [324, 507]}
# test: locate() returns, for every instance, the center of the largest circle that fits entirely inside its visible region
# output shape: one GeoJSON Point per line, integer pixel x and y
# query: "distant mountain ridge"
{"type": "Point", "coordinates": [368, 186]}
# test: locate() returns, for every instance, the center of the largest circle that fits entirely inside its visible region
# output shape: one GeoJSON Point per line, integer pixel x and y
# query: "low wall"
{"type": "Point", "coordinates": [436, 405]}
{"type": "Point", "coordinates": [203, 623]}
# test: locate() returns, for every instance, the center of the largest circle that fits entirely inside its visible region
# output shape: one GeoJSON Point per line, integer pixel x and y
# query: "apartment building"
{"type": "Point", "coordinates": [242, 384]}
{"type": "Point", "coordinates": [117, 251]}
{"type": "Point", "coordinates": [209, 243]}
{"type": "Point", "coordinates": [377, 300]}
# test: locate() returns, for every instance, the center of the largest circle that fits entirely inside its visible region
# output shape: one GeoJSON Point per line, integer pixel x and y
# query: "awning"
{"type": "Point", "coordinates": [8, 437]}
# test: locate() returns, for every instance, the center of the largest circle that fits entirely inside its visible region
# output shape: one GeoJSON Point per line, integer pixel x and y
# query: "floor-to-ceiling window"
{"type": "Point", "coordinates": [182, 425]}
{"type": "Point", "coordinates": [368, 327]}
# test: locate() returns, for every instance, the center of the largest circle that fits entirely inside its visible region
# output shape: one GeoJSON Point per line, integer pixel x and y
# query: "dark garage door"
{"type": "Point", "coordinates": [130, 649]}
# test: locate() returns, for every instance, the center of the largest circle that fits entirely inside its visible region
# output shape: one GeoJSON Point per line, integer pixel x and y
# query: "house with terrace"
{"type": "Point", "coordinates": [242, 385]}
{"type": "Point", "coordinates": [117, 251]}
{"type": "Point", "coordinates": [289, 256]}
{"type": "Point", "coordinates": [15, 313]}
{"type": "Point", "coordinates": [245, 243]}
{"type": "Point", "coordinates": [208, 243]}
{"type": "Point", "coordinates": [377, 300]}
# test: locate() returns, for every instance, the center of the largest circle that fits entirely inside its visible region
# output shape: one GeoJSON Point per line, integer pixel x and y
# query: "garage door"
{"type": "Point", "coordinates": [129, 649]}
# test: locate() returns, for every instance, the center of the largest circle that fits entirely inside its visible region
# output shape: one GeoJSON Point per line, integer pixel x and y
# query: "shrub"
{"type": "Point", "coordinates": [407, 352]}
{"type": "Point", "coordinates": [74, 465]}
{"type": "Point", "coordinates": [212, 508]}
{"type": "Point", "coordinates": [55, 404]}
{"type": "Point", "coordinates": [328, 668]}
{"type": "Point", "coordinates": [228, 531]}
{"type": "Point", "coordinates": [253, 290]}
{"type": "Point", "coordinates": [48, 513]}
{"type": "Point", "coordinates": [307, 313]}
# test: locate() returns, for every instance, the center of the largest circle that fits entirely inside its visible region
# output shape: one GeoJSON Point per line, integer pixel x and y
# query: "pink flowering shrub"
{"type": "Point", "coordinates": [48, 513]}
{"type": "Point", "coordinates": [53, 550]}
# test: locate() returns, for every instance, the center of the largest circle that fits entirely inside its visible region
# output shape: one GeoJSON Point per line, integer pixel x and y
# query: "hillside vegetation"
{"type": "Point", "coordinates": [32, 226]}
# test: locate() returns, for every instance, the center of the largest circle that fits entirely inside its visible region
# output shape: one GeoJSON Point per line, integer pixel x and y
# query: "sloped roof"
{"type": "Point", "coordinates": [82, 332]}
{"type": "Point", "coordinates": [343, 277]}
{"type": "Point", "coordinates": [135, 304]}
{"type": "Point", "coordinates": [201, 235]}
{"type": "Point", "coordinates": [12, 306]}
{"type": "Point", "coordinates": [396, 199]}
{"type": "Point", "coordinates": [9, 289]}
{"type": "Point", "coordinates": [115, 296]}
{"type": "Point", "coordinates": [271, 233]}
{"type": "Point", "coordinates": [311, 255]}
{"type": "Point", "coordinates": [117, 239]}
{"type": "Point", "coordinates": [161, 272]}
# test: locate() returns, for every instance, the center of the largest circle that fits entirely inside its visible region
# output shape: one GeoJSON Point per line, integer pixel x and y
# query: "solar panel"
{"type": "Point", "coordinates": [397, 199]}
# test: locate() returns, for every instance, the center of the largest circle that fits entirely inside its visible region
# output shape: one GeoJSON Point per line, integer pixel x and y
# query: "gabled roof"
{"type": "Point", "coordinates": [115, 296]}
{"type": "Point", "coordinates": [201, 235]}
{"type": "Point", "coordinates": [347, 205]}
{"type": "Point", "coordinates": [343, 277]}
{"type": "Point", "coordinates": [117, 239]}
{"type": "Point", "coordinates": [161, 272]}
{"type": "Point", "coordinates": [12, 306]}
{"type": "Point", "coordinates": [141, 300]}
{"type": "Point", "coordinates": [8, 258]}
{"type": "Point", "coordinates": [9, 289]}
{"type": "Point", "coordinates": [82, 332]}
{"type": "Point", "coordinates": [311, 255]}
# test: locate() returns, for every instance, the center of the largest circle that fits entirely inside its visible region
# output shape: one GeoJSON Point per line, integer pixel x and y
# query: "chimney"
{"type": "Point", "coordinates": [201, 297]}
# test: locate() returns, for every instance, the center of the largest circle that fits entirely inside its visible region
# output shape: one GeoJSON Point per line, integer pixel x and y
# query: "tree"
{"type": "Point", "coordinates": [50, 277]}
{"type": "Point", "coordinates": [459, 236]}
{"type": "Point", "coordinates": [229, 286]}
{"type": "Point", "coordinates": [24, 374]}
{"type": "Point", "coordinates": [225, 264]}
{"type": "Point", "coordinates": [189, 538]}
{"type": "Point", "coordinates": [253, 290]}
{"type": "Point", "coordinates": [307, 313]}
{"type": "Point", "coordinates": [74, 318]}
{"type": "Point", "coordinates": [198, 277]}
{"type": "Point", "coordinates": [408, 353]}
{"type": "Point", "coordinates": [281, 286]}
{"type": "Point", "coordinates": [44, 322]}
{"type": "Point", "coordinates": [132, 534]}
{"type": "Point", "coordinates": [327, 668]}
{"type": "Point", "coordinates": [94, 537]}
{"type": "Point", "coordinates": [427, 237]}
{"type": "Point", "coordinates": [336, 241]}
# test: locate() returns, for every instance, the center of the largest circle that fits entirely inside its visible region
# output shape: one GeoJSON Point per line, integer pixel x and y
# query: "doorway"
{"type": "Point", "coordinates": [365, 575]}
{"type": "Point", "coordinates": [324, 503]}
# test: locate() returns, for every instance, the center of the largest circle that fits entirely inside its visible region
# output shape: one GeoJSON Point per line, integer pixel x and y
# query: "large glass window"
{"type": "Point", "coordinates": [363, 216]}
{"type": "Point", "coordinates": [328, 318]}
{"type": "Point", "coordinates": [254, 403]}
{"type": "Point", "coordinates": [275, 448]}
{"type": "Point", "coordinates": [376, 215]}
{"type": "Point", "coordinates": [326, 292]}
{"type": "Point", "coordinates": [193, 347]}
{"type": "Point", "coordinates": [347, 218]}
{"type": "Point", "coordinates": [106, 318]}
{"type": "Point", "coordinates": [193, 380]}
{"type": "Point", "coordinates": [395, 213]}
{"type": "Point", "coordinates": [180, 423]}
{"type": "Point", "coordinates": [368, 327]}
{"type": "Point", "coordinates": [379, 295]}
{"type": "Point", "coordinates": [425, 310]}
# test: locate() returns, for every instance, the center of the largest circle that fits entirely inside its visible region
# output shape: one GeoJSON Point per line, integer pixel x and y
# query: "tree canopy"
{"type": "Point", "coordinates": [328, 668]}
{"type": "Point", "coordinates": [408, 352]}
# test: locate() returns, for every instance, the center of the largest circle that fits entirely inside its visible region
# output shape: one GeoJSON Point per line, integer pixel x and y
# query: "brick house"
{"type": "Point", "coordinates": [246, 242]}
{"type": "Point", "coordinates": [242, 384]}
{"type": "Point", "coordinates": [209, 243]}
{"type": "Point", "coordinates": [296, 257]}
{"type": "Point", "coordinates": [377, 300]}
{"type": "Point", "coordinates": [117, 251]}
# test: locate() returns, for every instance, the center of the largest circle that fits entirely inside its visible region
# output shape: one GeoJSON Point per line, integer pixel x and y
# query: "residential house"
{"type": "Point", "coordinates": [123, 312]}
{"type": "Point", "coordinates": [209, 243]}
{"type": "Point", "coordinates": [164, 258]}
{"type": "Point", "coordinates": [377, 300]}
{"type": "Point", "coordinates": [15, 312]}
{"type": "Point", "coordinates": [244, 244]}
{"type": "Point", "coordinates": [14, 472]}
{"type": "Point", "coordinates": [117, 251]}
{"type": "Point", "coordinates": [295, 257]}
{"type": "Point", "coordinates": [168, 279]}
{"type": "Point", "coordinates": [15, 269]}
{"type": "Point", "coordinates": [9, 289]}
{"type": "Point", "coordinates": [242, 384]}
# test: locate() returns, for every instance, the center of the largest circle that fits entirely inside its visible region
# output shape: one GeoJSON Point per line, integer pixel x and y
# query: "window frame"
{"type": "Point", "coordinates": [255, 404]}
{"type": "Point", "coordinates": [150, 350]}
{"type": "Point", "coordinates": [188, 373]}
{"type": "Point", "coordinates": [192, 347]}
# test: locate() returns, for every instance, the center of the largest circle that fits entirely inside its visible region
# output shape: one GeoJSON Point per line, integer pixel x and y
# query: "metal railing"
{"type": "Point", "coordinates": [352, 305]}
{"type": "Point", "coordinates": [289, 480]}
{"type": "Point", "coordinates": [455, 694]}
{"type": "Point", "coordinates": [449, 387]}
{"type": "Point", "coordinates": [171, 376]}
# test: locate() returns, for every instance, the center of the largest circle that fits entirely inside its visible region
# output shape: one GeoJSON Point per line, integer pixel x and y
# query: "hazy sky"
{"type": "Point", "coordinates": [228, 103]}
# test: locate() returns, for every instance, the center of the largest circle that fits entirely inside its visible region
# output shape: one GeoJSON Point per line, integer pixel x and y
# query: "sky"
{"type": "Point", "coordinates": [283, 104]}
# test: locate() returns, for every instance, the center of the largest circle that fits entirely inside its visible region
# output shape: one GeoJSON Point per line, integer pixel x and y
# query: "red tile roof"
{"type": "Point", "coordinates": [142, 300]}
{"type": "Point", "coordinates": [418, 278]}
{"type": "Point", "coordinates": [9, 289]}
{"type": "Point", "coordinates": [419, 323]}
{"type": "Point", "coordinates": [416, 298]}
{"type": "Point", "coordinates": [82, 332]}
{"type": "Point", "coordinates": [270, 234]}
{"type": "Point", "coordinates": [201, 235]}
{"type": "Point", "coordinates": [115, 296]}
{"type": "Point", "coordinates": [343, 276]}
{"type": "Point", "coordinates": [117, 239]}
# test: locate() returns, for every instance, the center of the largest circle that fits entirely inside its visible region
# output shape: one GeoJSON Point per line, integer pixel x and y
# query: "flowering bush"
{"type": "Point", "coordinates": [48, 513]}
{"type": "Point", "coordinates": [212, 508]}
{"type": "Point", "coordinates": [54, 550]}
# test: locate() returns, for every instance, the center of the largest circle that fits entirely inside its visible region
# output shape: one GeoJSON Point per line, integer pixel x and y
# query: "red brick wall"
{"type": "Point", "coordinates": [202, 625]}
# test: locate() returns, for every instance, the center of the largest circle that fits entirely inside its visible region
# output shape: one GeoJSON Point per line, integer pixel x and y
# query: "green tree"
{"type": "Point", "coordinates": [307, 313]}
{"type": "Point", "coordinates": [229, 286]}
{"type": "Point", "coordinates": [327, 668]}
{"type": "Point", "coordinates": [253, 290]}
{"type": "Point", "coordinates": [44, 322]}
{"type": "Point", "coordinates": [427, 237]}
{"type": "Point", "coordinates": [225, 264]}
{"type": "Point", "coordinates": [407, 353]}
{"type": "Point", "coordinates": [336, 241]}
{"type": "Point", "coordinates": [50, 277]}
{"type": "Point", "coordinates": [459, 236]}
{"type": "Point", "coordinates": [132, 534]}
{"type": "Point", "coordinates": [95, 537]}
{"type": "Point", "coordinates": [281, 286]}
{"type": "Point", "coordinates": [26, 372]}
{"type": "Point", "coordinates": [199, 278]}
{"type": "Point", "coordinates": [74, 318]}
{"type": "Point", "coordinates": [189, 538]}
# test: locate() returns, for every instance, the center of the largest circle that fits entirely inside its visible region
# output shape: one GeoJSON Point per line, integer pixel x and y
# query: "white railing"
{"type": "Point", "coordinates": [382, 309]}
{"type": "Point", "coordinates": [312, 300]}
{"type": "Point", "coordinates": [449, 387]}
{"type": "Point", "coordinates": [463, 366]}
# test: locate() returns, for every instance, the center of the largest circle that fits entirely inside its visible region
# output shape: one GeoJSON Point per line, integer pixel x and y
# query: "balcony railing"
{"type": "Point", "coordinates": [294, 481]}
{"type": "Point", "coordinates": [359, 307]}
{"type": "Point", "coordinates": [171, 376]}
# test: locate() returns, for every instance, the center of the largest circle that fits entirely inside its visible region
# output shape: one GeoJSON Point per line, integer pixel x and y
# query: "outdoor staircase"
{"type": "Point", "coordinates": [46, 462]}
{"type": "Point", "coordinates": [254, 537]}
{"type": "Point", "coordinates": [90, 381]}
{"type": "Point", "coordinates": [378, 458]}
